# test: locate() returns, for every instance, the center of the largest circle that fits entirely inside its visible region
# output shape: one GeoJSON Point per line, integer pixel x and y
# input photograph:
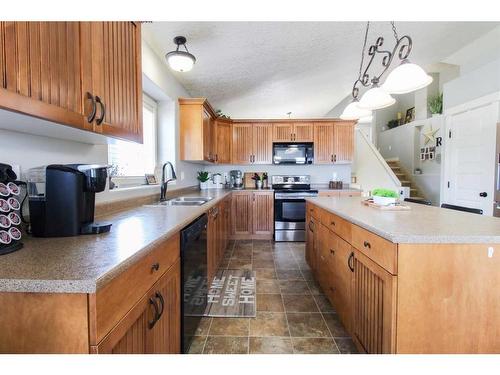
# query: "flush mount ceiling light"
{"type": "Point", "coordinates": [180, 61]}
{"type": "Point", "coordinates": [407, 77]}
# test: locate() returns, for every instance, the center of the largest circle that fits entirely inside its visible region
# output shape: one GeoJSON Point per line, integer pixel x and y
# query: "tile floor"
{"type": "Point", "coordinates": [293, 316]}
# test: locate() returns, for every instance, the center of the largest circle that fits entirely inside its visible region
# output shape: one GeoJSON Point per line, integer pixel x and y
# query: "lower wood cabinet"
{"type": "Point", "coordinates": [152, 326]}
{"type": "Point", "coordinates": [311, 241]}
{"type": "Point", "coordinates": [374, 306]}
{"type": "Point", "coordinates": [252, 215]}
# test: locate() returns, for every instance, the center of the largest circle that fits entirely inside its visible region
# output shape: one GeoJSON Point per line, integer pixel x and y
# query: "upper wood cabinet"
{"type": "Point", "coordinates": [84, 74]}
{"type": "Point", "coordinates": [293, 132]}
{"type": "Point", "coordinates": [252, 143]}
{"type": "Point", "coordinates": [333, 142]}
{"type": "Point", "coordinates": [197, 130]}
{"type": "Point", "coordinates": [223, 141]}
{"type": "Point", "coordinates": [283, 132]}
{"type": "Point", "coordinates": [262, 144]}
{"type": "Point", "coordinates": [40, 71]}
{"type": "Point", "coordinates": [112, 78]}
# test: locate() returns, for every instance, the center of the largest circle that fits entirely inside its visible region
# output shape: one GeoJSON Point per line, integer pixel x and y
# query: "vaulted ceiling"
{"type": "Point", "coordinates": [266, 69]}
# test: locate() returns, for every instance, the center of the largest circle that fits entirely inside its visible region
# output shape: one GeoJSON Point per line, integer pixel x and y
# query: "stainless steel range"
{"type": "Point", "coordinates": [290, 206]}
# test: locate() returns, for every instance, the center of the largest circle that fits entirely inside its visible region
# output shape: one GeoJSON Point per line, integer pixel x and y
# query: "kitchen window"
{"type": "Point", "coordinates": [131, 161]}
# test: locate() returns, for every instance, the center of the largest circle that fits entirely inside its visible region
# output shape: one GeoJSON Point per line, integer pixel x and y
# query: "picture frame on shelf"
{"type": "Point", "coordinates": [151, 179]}
{"type": "Point", "coordinates": [410, 115]}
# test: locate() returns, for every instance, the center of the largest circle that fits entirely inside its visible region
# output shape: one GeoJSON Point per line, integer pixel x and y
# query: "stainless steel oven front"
{"type": "Point", "coordinates": [290, 215]}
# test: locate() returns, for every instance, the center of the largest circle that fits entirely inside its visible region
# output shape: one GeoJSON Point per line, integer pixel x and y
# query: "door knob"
{"type": "Point", "coordinates": [483, 194]}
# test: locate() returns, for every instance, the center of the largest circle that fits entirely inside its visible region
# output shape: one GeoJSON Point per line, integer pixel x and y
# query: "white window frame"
{"type": "Point", "coordinates": [131, 181]}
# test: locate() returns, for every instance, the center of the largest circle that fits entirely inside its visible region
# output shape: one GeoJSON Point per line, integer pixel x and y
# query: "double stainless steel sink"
{"type": "Point", "coordinates": [184, 201]}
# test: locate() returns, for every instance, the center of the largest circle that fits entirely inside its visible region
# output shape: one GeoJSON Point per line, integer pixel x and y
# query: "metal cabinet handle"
{"type": "Point", "coordinates": [367, 244]}
{"type": "Point", "coordinates": [332, 251]}
{"type": "Point", "coordinates": [349, 260]}
{"type": "Point", "coordinates": [155, 267]}
{"type": "Point", "coordinates": [162, 301]}
{"type": "Point", "coordinates": [331, 158]}
{"type": "Point", "coordinates": [92, 113]}
{"type": "Point", "coordinates": [152, 323]}
{"type": "Point", "coordinates": [103, 111]}
{"type": "Point", "coordinates": [332, 223]}
{"type": "Point", "coordinates": [311, 226]}
{"type": "Point", "coordinates": [216, 157]}
{"type": "Point", "coordinates": [334, 158]}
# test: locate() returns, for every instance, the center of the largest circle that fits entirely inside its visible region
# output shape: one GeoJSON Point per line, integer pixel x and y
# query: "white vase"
{"type": "Point", "coordinates": [203, 185]}
{"type": "Point", "coordinates": [384, 201]}
{"type": "Point", "coordinates": [258, 184]}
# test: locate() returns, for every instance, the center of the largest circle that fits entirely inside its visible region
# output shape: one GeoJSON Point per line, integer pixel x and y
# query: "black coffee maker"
{"type": "Point", "coordinates": [62, 199]}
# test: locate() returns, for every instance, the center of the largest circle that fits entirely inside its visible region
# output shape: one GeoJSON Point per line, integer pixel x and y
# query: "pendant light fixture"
{"type": "Point", "coordinates": [353, 111]}
{"type": "Point", "coordinates": [180, 61]}
{"type": "Point", "coordinates": [407, 77]}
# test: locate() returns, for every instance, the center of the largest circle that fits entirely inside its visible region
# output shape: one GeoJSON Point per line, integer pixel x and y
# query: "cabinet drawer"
{"type": "Point", "coordinates": [114, 300]}
{"type": "Point", "coordinates": [339, 226]}
{"type": "Point", "coordinates": [381, 251]}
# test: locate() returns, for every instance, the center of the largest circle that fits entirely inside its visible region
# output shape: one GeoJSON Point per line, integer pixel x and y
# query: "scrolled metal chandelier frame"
{"type": "Point", "coordinates": [402, 47]}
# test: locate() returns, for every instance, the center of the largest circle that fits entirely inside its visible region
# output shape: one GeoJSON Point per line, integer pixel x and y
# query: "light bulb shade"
{"type": "Point", "coordinates": [407, 77]}
{"type": "Point", "coordinates": [376, 98]}
{"type": "Point", "coordinates": [365, 120]}
{"type": "Point", "coordinates": [180, 61]}
{"type": "Point", "coordinates": [353, 112]}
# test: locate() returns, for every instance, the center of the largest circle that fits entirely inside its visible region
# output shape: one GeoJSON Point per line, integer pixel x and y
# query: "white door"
{"type": "Point", "coordinates": [470, 158]}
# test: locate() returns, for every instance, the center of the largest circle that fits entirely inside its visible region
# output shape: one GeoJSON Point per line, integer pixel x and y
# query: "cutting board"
{"type": "Point", "coordinates": [399, 207]}
{"type": "Point", "coordinates": [247, 179]}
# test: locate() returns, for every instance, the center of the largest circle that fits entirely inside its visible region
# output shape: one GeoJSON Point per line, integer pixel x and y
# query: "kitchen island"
{"type": "Point", "coordinates": [416, 281]}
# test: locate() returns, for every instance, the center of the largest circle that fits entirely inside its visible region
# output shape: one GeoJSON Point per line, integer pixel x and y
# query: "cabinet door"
{"type": "Point", "coordinates": [303, 132]}
{"type": "Point", "coordinates": [242, 143]}
{"type": "Point", "coordinates": [324, 259]}
{"type": "Point", "coordinates": [112, 73]}
{"type": "Point", "coordinates": [344, 142]}
{"type": "Point", "coordinates": [207, 136]}
{"type": "Point", "coordinates": [374, 306]}
{"type": "Point", "coordinates": [242, 213]}
{"type": "Point", "coordinates": [223, 142]}
{"type": "Point", "coordinates": [40, 70]}
{"type": "Point", "coordinates": [324, 142]}
{"type": "Point", "coordinates": [311, 243]}
{"type": "Point", "coordinates": [263, 212]}
{"type": "Point", "coordinates": [262, 144]}
{"type": "Point", "coordinates": [342, 256]}
{"type": "Point", "coordinates": [165, 336]}
{"type": "Point", "coordinates": [282, 132]}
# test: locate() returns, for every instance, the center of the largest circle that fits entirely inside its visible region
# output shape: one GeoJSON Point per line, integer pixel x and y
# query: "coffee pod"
{"type": "Point", "coordinates": [5, 238]}
{"type": "Point", "coordinates": [4, 206]}
{"type": "Point", "coordinates": [15, 233]}
{"type": "Point", "coordinates": [13, 203]}
{"type": "Point", "coordinates": [4, 190]}
{"type": "Point", "coordinates": [14, 218]}
{"type": "Point", "coordinates": [5, 221]}
{"type": "Point", "coordinates": [13, 188]}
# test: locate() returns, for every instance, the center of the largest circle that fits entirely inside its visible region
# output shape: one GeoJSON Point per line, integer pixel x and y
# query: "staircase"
{"type": "Point", "coordinates": [404, 178]}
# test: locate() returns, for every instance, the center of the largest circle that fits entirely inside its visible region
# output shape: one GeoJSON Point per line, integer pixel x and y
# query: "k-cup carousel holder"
{"type": "Point", "coordinates": [10, 217]}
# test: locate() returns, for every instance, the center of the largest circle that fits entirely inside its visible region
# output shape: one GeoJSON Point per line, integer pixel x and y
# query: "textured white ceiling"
{"type": "Point", "coordinates": [266, 69]}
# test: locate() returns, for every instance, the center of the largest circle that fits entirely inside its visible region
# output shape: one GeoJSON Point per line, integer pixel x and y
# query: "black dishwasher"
{"type": "Point", "coordinates": [194, 278]}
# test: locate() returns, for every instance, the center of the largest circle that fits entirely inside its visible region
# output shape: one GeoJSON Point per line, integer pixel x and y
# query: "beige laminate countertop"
{"type": "Point", "coordinates": [83, 264]}
{"type": "Point", "coordinates": [421, 224]}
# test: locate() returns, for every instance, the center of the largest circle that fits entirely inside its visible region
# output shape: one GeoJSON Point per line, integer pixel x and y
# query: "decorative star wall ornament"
{"type": "Point", "coordinates": [430, 135]}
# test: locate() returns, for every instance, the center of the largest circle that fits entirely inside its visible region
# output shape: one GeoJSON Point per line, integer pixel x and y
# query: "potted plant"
{"type": "Point", "coordinates": [384, 197]}
{"type": "Point", "coordinates": [203, 178]}
{"type": "Point", "coordinates": [258, 180]}
{"type": "Point", "coordinates": [265, 180]}
{"type": "Point", "coordinates": [435, 104]}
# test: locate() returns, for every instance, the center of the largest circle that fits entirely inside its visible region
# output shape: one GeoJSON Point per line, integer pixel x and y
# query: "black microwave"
{"type": "Point", "coordinates": [293, 153]}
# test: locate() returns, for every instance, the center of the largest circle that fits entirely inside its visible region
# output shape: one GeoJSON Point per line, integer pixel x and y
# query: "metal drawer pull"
{"type": "Point", "coordinates": [332, 223]}
{"type": "Point", "coordinates": [162, 301]}
{"type": "Point", "coordinates": [156, 317]}
{"type": "Point", "coordinates": [332, 251]}
{"type": "Point", "coordinates": [155, 267]}
{"type": "Point", "coordinates": [367, 244]}
{"type": "Point", "coordinates": [351, 258]}
{"type": "Point", "coordinates": [311, 226]}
